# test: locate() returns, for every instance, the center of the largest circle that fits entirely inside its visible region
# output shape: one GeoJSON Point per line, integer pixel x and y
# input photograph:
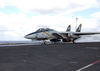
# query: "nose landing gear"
{"type": "Point", "coordinates": [44, 42]}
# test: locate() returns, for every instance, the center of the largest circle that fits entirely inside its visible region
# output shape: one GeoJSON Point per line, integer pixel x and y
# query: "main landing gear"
{"type": "Point", "coordinates": [73, 40]}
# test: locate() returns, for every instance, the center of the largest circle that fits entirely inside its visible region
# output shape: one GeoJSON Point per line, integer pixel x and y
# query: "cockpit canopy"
{"type": "Point", "coordinates": [44, 29]}
{"type": "Point", "coordinates": [41, 30]}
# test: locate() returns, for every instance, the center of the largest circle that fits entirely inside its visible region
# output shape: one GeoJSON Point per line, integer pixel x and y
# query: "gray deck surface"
{"type": "Point", "coordinates": [50, 57]}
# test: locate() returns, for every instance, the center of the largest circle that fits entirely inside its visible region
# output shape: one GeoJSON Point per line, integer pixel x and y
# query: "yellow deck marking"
{"type": "Point", "coordinates": [48, 34]}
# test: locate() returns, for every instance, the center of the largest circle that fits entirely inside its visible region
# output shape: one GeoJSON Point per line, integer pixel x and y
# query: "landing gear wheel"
{"type": "Point", "coordinates": [44, 42]}
{"type": "Point", "coordinates": [73, 41]}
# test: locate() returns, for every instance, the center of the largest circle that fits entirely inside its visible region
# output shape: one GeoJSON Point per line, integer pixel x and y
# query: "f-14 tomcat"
{"type": "Point", "coordinates": [55, 36]}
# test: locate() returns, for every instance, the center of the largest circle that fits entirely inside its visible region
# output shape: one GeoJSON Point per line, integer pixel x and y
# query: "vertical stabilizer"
{"type": "Point", "coordinates": [68, 28]}
{"type": "Point", "coordinates": [79, 28]}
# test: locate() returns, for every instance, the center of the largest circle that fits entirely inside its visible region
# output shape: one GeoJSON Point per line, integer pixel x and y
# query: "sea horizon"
{"type": "Point", "coordinates": [15, 41]}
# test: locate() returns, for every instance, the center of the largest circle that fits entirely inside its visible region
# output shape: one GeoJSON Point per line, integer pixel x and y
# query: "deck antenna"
{"type": "Point", "coordinates": [76, 23]}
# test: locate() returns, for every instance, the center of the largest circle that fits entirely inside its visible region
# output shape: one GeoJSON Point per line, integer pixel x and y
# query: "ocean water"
{"type": "Point", "coordinates": [15, 41]}
{"type": "Point", "coordinates": [18, 43]}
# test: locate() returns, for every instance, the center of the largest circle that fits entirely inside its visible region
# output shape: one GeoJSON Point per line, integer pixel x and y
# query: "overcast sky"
{"type": "Point", "coordinates": [20, 17]}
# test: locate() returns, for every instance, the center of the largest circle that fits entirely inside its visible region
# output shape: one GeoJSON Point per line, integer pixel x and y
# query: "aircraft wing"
{"type": "Point", "coordinates": [80, 33]}
{"type": "Point", "coordinates": [57, 35]}
{"type": "Point", "coordinates": [85, 33]}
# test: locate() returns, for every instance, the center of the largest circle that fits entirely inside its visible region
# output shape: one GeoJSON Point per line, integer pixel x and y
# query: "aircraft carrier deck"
{"type": "Point", "coordinates": [51, 57]}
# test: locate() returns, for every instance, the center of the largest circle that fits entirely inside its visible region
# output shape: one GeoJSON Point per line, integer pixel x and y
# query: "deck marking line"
{"type": "Point", "coordinates": [96, 62]}
{"type": "Point", "coordinates": [84, 67]}
{"type": "Point", "coordinates": [88, 65]}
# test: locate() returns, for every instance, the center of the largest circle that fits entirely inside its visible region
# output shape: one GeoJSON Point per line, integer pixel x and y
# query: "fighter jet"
{"type": "Point", "coordinates": [56, 36]}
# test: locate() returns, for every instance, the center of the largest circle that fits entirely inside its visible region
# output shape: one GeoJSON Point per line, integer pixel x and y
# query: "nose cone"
{"type": "Point", "coordinates": [33, 36]}
{"type": "Point", "coordinates": [26, 36]}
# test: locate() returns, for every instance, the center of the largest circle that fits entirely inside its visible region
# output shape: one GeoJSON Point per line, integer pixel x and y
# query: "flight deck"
{"type": "Point", "coordinates": [51, 57]}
